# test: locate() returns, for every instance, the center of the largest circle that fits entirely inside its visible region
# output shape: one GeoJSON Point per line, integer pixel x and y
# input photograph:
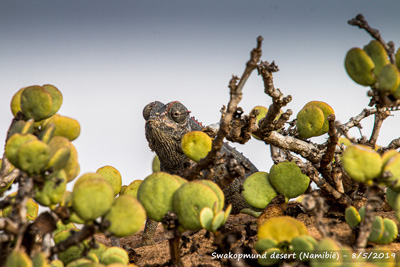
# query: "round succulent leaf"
{"type": "Point", "coordinates": [33, 156]}
{"type": "Point", "coordinates": [392, 167]}
{"type": "Point", "coordinates": [301, 244]}
{"type": "Point", "coordinates": [361, 163]}
{"type": "Point", "coordinates": [360, 67]}
{"type": "Point", "coordinates": [288, 180]}
{"type": "Point", "coordinates": [217, 221]}
{"type": "Point", "coordinates": [40, 260]}
{"type": "Point", "coordinates": [344, 141]}
{"type": "Point", "coordinates": [352, 216]}
{"type": "Point", "coordinates": [56, 263]}
{"type": "Point", "coordinates": [226, 213]}
{"type": "Point", "coordinates": [61, 227]}
{"type": "Point", "coordinates": [28, 127]}
{"type": "Point", "coordinates": [377, 53]}
{"type": "Point", "coordinates": [266, 258]}
{"type": "Point", "coordinates": [70, 254]}
{"type": "Point", "coordinates": [56, 96]}
{"type": "Point", "coordinates": [9, 184]}
{"type": "Point", "coordinates": [389, 233]}
{"type": "Point", "coordinates": [52, 191]}
{"type": "Point", "coordinates": [115, 250]}
{"type": "Point", "coordinates": [16, 102]}
{"type": "Point", "coordinates": [78, 262]}
{"type": "Point", "coordinates": [127, 216]}
{"type": "Point", "coordinates": [36, 103]}
{"type": "Point", "coordinates": [258, 191]}
{"type": "Point", "coordinates": [14, 143]}
{"type": "Point", "coordinates": [92, 198]}
{"type": "Point", "coordinates": [155, 165]}
{"type": "Point", "coordinates": [64, 126]}
{"type": "Point", "coordinates": [377, 229]}
{"type": "Point", "coordinates": [100, 248]}
{"type": "Point", "coordinates": [264, 244]}
{"type": "Point", "coordinates": [46, 134]}
{"type": "Point", "coordinates": [389, 79]}
{"type": "Point", "coordinates": [196, 145]}
{"type": "Point", "coordinates": [398, 58]}
{"type": "Point", "coordinates": [72, 166]}
{"type": "Point", "coordinates": [218, 192]}
{"type": "Point", "coordinates": [189, 200]}
{"type": "Point", "coordinates": [310, 121]}
{"type": "Point", "coordinates": [326, 110]}
{"type": "Point", "coordinates": [132, 189]}
{"type": "Point", "coordinates": [388, 155]}
{"type": "Point", "coordinates": [60, 151]}
{"type": "Point", "coordinates": [113, 258]}
{"type": "Point", "coordinates": [326, 245]}
{"type": "Point", "coordinates": [89, 176]}
{"type": "Point", "coordinates": [206, 217]}
{"type": "Point", "coordinates": [396, 93]}
{"type": "Point", "coordinates": [361, 211]}
{"type": "Point", "coordinates": [156, 194]}
{"type": "Point", "coordinates": [393, 199]}
{"type": "Point", "coordinates": [283, 228]}
{"type": "Point", "coordinates": [113, 176]}
{"type": "Point", "coordinates": [18, 258]}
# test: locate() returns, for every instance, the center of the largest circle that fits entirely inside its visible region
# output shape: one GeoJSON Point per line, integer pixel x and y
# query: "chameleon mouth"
{"type": "Point", "coordinates": [166, 148]}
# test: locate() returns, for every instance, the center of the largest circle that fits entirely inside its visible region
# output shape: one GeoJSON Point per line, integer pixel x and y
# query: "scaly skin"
{"type": "Point", "coordinates": [165, 127]}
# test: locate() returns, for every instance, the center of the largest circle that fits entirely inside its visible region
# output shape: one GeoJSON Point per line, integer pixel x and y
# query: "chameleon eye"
{"type": "Point", "coordinates": [178, 112]}
{"type": "Point", "coordinates": [149, 107]}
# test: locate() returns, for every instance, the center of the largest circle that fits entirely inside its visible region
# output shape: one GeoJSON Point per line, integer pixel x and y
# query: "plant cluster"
{"type": "Point", "coordinates": [346, 172]}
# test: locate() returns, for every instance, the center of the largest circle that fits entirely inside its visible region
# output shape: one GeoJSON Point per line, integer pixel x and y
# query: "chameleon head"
{"type": "Point", "coordinates": [165, 126]}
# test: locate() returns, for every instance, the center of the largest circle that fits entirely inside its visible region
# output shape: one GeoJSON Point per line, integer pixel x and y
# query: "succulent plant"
{"type": "Point", "coordinates": [267, 258]}
{"type": "Point", "coordinates": [60, 152]}
{"type": "Point", "coordinates": [156, 194]}
{"type": "Point", "coordinates": [361, 163]}
{"type": "Point", "coordinates": [14, 143]}
{"type": "Point", "coordinates": [114, 251]}
{"type": "Point", "coordinates": [92, 198]}
{"type": "Point", "coordinates": [280, 229]}
{"type": "Point", "coordinates": [64, 126]}
{"type": "Point", "coordinates": [288, 180]}
{"type": "Point", "coordinates": [196, 145]}
{"type": "Point", "coordinates": [155, 165]}
{"type": "Point", "coordinates": [18, 258]}
{"type": "Point", "coordinates": [392, 169]}
{"type": "Point", "coordinates": [113, 176]}
{"type": "Point", "coordinates": [389, 79]}
{"type": "Point", "coordinates": [258, 191]}
{"type": "Point", "coordinates": [360, 67]}
{"type": "Point", "coordinates": [16, 102]}
{"type": "Point", "coordinates": [389, 233]}
{"type": "Point", "coordinates": [377, 53]}
{"type": "Point", "coordinates": [131, 189]}
{"type": "Point", "coordinates": [126, 215]}
{"type": "Point", "coordinates": [352, 216]}
{"type": "Point", "coordinates": [190, 199]}
{"type": "Point", "coordinates": [31, 206]}
{"type": "Point", "coordinates": [326, 245]}
{"type": "Point", "coordinates": [303, 243]}
{"type": "Point", "coordinates": [52, 190]}
{"type": "Point", "coordinates": [73, 252]}
{"type": "Point", "coordinates": [312, 119]}
{"type": "Point", "coordinates": [377, 229]}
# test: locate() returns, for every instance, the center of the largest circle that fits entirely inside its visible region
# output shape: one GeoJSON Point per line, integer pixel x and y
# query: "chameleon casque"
{"type": "Point", "coordinates": [165, 126]}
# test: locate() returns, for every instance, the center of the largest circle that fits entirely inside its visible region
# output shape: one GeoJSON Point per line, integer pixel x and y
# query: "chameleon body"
{"type": "Point", "coordinates": [165, 126]}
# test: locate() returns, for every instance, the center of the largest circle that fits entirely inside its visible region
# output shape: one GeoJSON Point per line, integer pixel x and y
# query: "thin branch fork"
{"type": "Point", "coordinates": [362, 23]}
{"type": "Point", "coordinates": [332, 141]}
{"type": "Point", "coordinates": [380, 116]}
{"type": "Point", "coordinates": [235, 97]}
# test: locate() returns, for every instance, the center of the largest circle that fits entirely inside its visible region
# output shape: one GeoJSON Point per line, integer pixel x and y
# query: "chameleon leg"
{"type": "Point", "coordinates": [148, 233]}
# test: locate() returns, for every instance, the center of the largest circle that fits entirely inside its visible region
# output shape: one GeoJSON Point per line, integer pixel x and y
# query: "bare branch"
{"type": "Point", "coordinates": [332, 142]}
{"type": "Point", "coordinates": [355, 121]}
{"type": "Point", "coordinates": [8, 225]}
{"type": "Point", "coordinates": [362, 23]}
{"type": "Point", "coordinates": [235, 97]}
{"type": "Point", "coordinates": [380, 116]}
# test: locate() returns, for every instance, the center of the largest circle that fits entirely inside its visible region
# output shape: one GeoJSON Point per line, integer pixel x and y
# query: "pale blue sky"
{"type": "Point", "coordinates": [111, 58]}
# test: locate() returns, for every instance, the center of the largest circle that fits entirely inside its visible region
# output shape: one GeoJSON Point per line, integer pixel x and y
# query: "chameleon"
{"type": "Point", "coordinates": [164, 128]}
